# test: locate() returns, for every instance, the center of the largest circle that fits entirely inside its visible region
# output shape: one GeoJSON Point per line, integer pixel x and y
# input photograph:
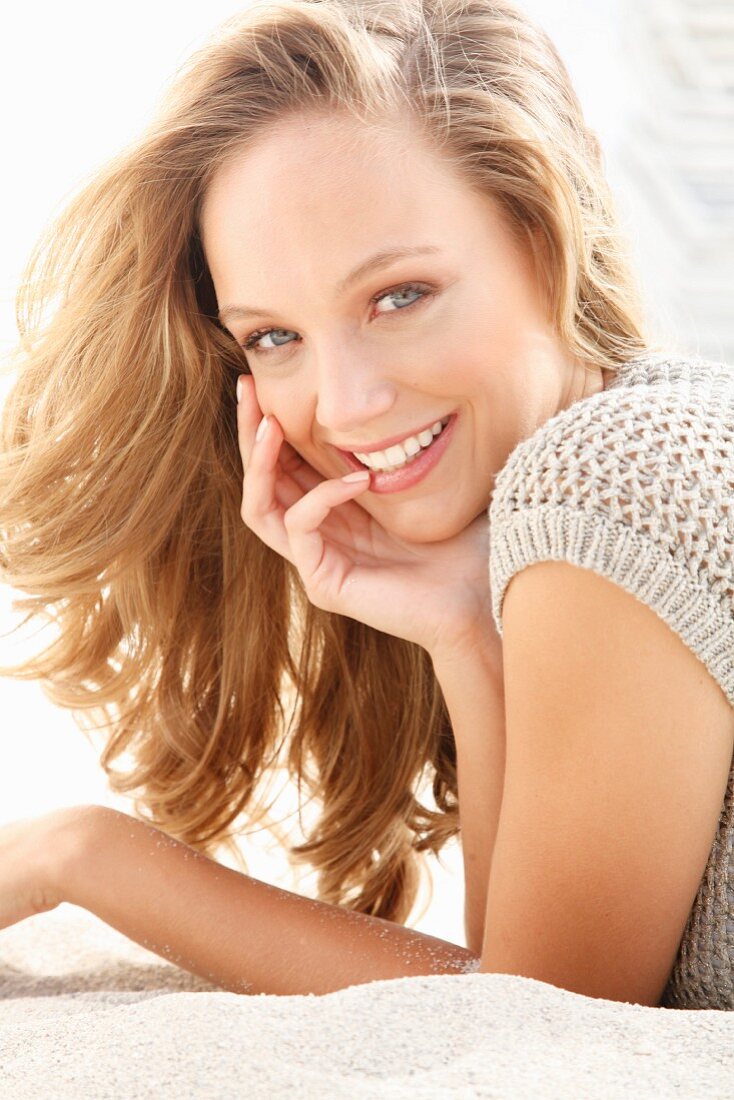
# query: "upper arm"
{"type": "Point", "coordinates": [618, 748]}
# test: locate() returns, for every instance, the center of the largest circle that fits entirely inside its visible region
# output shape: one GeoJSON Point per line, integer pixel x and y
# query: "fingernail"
{"type": "Point", "coordinates": [358, 475]}
{"type": "Point", "coordinates": [239, 389]}
{"type": "Point", "coordinates": [261, 429]}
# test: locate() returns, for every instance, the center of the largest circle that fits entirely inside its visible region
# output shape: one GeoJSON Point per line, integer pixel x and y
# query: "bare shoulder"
{"type": "Point", "coordinates": [618, 749]}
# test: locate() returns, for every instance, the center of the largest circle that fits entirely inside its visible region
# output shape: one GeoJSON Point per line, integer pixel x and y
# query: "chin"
{"type": "Point", "coordinates": [412, 528]}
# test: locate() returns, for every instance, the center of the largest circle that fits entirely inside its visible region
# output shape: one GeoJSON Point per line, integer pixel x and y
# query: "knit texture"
{"type": "Point", "coordinates": [637, 484]}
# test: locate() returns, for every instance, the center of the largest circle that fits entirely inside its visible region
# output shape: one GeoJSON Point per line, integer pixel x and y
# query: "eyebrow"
{"type": "Point", "coordinates": [378, 260]}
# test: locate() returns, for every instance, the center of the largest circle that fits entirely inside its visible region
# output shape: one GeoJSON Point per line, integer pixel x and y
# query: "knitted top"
{"type": "Point", "coordinates": [636, 483]}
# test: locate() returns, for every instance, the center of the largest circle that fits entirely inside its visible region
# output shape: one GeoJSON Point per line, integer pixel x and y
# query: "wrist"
{"type": "Point", "coordinates": [479, 648]}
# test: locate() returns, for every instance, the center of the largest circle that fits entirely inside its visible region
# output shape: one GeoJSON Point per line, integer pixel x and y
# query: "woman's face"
{"type": "Point", "coordinates": [350, 364]}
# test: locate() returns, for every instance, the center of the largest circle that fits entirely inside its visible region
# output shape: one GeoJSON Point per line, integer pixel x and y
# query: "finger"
{"type": "Point", "coordinates": [249, 415]}
{"type": "Point", "coordinates": [296, 471]}
{"type": "Point", "coordinates": [261, 510]}
{"type": "Point", "coordinates": [303, 520]}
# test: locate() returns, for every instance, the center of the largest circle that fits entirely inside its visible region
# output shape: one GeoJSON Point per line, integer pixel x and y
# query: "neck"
{"type": "Point", "coordinates": [585, 382]}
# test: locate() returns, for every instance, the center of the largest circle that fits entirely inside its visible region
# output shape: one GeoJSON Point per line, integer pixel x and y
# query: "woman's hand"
{"type": "Point", "coordinates": [436, 594]}
{"type": "Point", "coordinates": [32, 853]}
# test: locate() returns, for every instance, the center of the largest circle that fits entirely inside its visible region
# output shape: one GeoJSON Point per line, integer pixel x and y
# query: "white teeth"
{"type": "Point", "coordinates": [395, 454]}
{"type": "Point", "coordinates": [392, 458]}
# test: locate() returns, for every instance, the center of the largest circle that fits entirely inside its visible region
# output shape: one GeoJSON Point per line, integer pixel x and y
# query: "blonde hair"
{"type": "Point", "coordinates": [178, 631]}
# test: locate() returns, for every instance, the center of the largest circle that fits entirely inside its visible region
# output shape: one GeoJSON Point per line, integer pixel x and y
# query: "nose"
{"type": "Point", "coordinates": [351, 394]}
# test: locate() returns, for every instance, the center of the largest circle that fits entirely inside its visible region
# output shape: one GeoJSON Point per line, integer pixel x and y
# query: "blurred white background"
{"type": "Point", "coordinates": [78, 80]}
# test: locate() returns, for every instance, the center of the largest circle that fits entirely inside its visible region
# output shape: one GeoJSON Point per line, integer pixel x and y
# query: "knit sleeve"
{"type": "Point", "coordinates": [639, 487]}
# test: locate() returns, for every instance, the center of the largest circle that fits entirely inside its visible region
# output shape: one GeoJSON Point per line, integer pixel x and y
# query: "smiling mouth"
{"type": "Point", "coordinates": [400, 454]}
{"type": "Point", "coordinates": [405, 475]}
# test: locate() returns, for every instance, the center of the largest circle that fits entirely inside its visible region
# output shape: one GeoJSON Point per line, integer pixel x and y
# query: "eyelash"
{"type": "Point", "coordinates": [426, 292]}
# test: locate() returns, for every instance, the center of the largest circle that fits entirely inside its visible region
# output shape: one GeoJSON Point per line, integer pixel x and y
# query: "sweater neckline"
{"type": "Point", "coordinates": [621, 370]}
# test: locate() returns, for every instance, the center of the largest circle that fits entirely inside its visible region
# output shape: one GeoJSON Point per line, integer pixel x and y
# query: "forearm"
{"type": "Point", "coordinates": [472, 684]}
{"type": "Point", "coordinates": [238, 932]}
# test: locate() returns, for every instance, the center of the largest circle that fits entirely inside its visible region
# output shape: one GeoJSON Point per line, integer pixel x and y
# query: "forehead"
{"type": "Point", "coordinates": [310, 176]}
{"type": "Point", "coordinates": [284, 220]}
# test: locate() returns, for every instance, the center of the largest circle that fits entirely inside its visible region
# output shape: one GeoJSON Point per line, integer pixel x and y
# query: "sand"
{"type": "Point", "coordinates": [84, 1012]}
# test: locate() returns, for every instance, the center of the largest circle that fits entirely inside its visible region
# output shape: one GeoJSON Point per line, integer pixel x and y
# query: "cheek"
{"type": "Point", "coordinates": [289, 409]}
{"type": "Point", "coordinates": [271, 398]}
{"type": "Point", "coordinates": [263, 392]}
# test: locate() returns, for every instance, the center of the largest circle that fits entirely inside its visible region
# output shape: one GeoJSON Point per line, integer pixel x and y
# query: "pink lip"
{"type": "Point", "coordinates": [396, 480]}
{"type": "Point", "coordinates": [385, 442]}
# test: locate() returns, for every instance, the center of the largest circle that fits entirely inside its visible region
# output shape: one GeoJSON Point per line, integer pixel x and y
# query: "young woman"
{"type": "Point", "coordinates": [386, 227]}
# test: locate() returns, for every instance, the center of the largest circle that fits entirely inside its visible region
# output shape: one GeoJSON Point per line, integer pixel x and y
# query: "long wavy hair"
{"type": "Point", "coordinates": [182, 636]}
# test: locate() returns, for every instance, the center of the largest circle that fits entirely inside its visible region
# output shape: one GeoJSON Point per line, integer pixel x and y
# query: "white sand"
{"type": "Point", "coordinates": [86, 1013]}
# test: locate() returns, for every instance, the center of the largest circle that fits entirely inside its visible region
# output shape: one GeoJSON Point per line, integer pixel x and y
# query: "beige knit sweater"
{"type": "Point", "coordinates": [637, 483]}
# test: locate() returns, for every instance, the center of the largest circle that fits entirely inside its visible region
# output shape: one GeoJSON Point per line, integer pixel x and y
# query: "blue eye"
{"type": "Point", "coordinates": [249, 343]}
{"type": "Point", "coordinates": [424, 291]}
